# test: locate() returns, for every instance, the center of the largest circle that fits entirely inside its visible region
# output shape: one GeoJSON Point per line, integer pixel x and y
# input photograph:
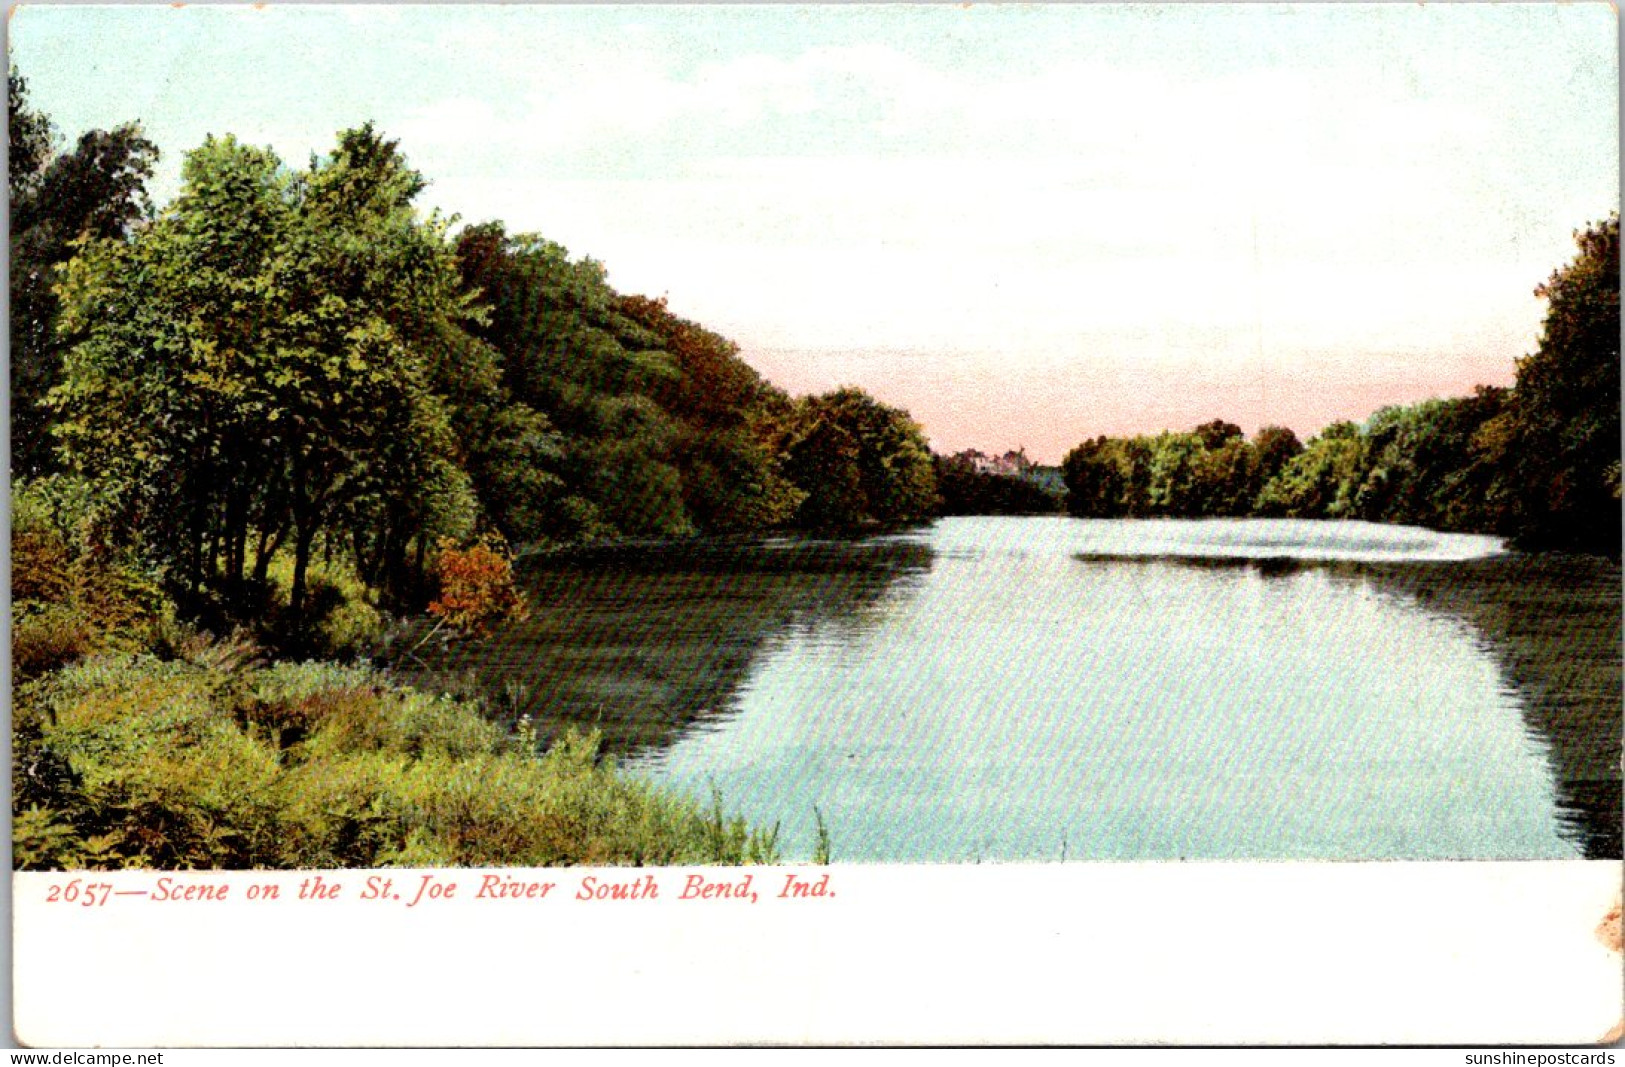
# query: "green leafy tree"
{"type": "Point", "coordinates": [724, 447]}
{"type": "Point", "coordinates": [569, 351]}
{"type": "Point", "coordinates": [1322, 480]}
{"type": "Point", "coordinates": [95, 192]}
{"type": "Point", "coordinates": [163, 396]}
{"type": "Point", "coordinates": [1210, 471]}
{"type": "Point", "coordinates": [1094, 479]}
{"type": "Point", "coordinates": [1273, 448]}
{"type": "Point", "coordinates": [259, 367]}
{"type": "Point", "coordinates": [1561, 453]}
{"type": "Point", "coordinates": [860, 463]}
{"type": "Point", "coordinates": [1216, 434]}
{"type": "Point", "coordinates": [1172, 489]}
{"type": "Point", "coordinates": [1224, 477]}
{"type": "Point", "coordinates": [1422, 466]}
{"type": "Point", "coordinates": [376, 341]}
{"type": "Point", "coordinates": [33, 139]}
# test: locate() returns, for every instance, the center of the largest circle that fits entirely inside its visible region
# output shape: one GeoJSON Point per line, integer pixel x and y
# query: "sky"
{"type": "Point", "coordinates": [1026, 224]}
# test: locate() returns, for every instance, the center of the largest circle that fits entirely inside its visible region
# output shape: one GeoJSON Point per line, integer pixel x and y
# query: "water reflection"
{"type": "Point", "coordinates": [639, 641]}
{"type": "Point", "coordinates": [1024, 689]}
{"type": "Point", "coordinates": [1552, 623]}
{"type": "Point", "coordinates": [1263, 566]}
{"type": "Point", "coordinates": [1035, 694]}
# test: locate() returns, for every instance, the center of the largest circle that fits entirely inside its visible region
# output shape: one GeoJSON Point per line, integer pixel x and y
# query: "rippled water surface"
{"type": "Point", "coordinates": [1006, 689]}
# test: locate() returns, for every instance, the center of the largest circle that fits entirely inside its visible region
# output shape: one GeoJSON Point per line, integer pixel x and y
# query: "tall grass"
{"type": "Point", "coordinates": [129, 761]}
{"type": "Point", "coordinates": [821, 844]}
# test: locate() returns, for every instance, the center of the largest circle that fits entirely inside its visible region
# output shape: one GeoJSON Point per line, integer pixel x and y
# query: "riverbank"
{"type": "Point", "coordinates": [214, 761]}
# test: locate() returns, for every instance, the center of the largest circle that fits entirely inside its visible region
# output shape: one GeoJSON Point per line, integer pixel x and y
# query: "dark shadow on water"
{"type": "Point", "coordinates": [640, 641]}
{"type": "Point", "coordinates": [645, 641]}
{"type": "Point", "coordinates": [1264, 566]}
{"type": "Point", "coordinates": [1552, 622]}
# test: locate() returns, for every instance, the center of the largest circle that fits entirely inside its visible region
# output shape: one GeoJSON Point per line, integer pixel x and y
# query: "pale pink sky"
{"type": "Point", "coordinates": [1047, 414]}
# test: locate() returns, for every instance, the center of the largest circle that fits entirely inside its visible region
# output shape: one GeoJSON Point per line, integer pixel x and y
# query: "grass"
{"type": "Point", "coordinates": [821, 847]}
{"type": "Point", "coordinates": [141, 741]}
{"type": "Point", "coordinates": [129, 761]}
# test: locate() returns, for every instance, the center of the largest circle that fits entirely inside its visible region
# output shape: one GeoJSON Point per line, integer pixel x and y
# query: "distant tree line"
{"type": "Point", "coordinates": [284, 364]}
{"type": "Point", "coordinates": [1539, 462]}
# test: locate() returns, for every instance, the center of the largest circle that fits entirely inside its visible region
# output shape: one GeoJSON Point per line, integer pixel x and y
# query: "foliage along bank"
{"type": "Point", "coordinates": [209, 759]}
{"type": "Point", "coordinates": [1539, 462]}
{"type": "Point", "coordinates": [281, 365]}
{"type": "Point", "coordinates": [276, 407]}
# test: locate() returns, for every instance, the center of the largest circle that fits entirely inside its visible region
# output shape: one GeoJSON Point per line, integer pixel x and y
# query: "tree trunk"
{"type": "Point", "coordinates": [304, 536]}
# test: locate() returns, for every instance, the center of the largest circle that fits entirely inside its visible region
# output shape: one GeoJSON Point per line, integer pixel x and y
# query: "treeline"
{"type": "Point", "coordinates": [1539, 462]}
{"type": "Point", "coordinates": [284, 365]}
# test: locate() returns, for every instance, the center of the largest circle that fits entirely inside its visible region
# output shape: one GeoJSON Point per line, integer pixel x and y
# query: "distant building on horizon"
{"type": "Point", "coordinates": [1010, 465]}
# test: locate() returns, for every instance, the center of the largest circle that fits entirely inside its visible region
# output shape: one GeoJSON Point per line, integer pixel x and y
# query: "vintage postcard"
{"type": "Point", "coordinates": [815, 524]}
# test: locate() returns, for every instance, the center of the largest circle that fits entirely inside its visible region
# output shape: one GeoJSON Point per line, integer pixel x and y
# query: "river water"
{"type": "Point", "coordinates": [1040, 689]}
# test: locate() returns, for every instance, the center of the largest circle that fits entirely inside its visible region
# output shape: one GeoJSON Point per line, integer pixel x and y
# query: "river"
{"type": "Point", "coordinates": [1042, 689]}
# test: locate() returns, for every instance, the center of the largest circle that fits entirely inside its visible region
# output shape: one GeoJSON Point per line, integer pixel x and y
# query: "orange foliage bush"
{"type": "Point", "coordinates": [476, 586]}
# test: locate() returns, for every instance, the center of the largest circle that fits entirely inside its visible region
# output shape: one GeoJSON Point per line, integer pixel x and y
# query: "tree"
{"type": "Point", "coordinates": [262, 365]}
{"type": "Point", "coordinates": [1562, 459]}
{"type": "Point", "coordinates": [1321, 481]}
{"type": "Point", "coordinates": [375, 340]}
{"type": "Point", "coordinates": [570, 351]}
{"type": "Point", "coordinates": [1172, 490]}
{"type": "Point", "coordinates": [1422, 466]}
{"type": "Point", "coordinates": [163, 396]}
{"type": "Point", "coordinates": [860, 463]}
{"type": "Point", "coordinates": [95, 192]}
{"type": "Point", "coordinates": [1273, 448]}
{"type": "Point", "coordinates": [723, 450]}
{"type": "Point", "coordinates": [33, 140]}
{"type": "Point", "coordinates": [1094, 478]}
{"type": "Point", "coordinates": [1214, 434]}
{"type": "Point", "coordinates": [1224, 475]}
{"type": "Point", "coordinates": [1209, 471]}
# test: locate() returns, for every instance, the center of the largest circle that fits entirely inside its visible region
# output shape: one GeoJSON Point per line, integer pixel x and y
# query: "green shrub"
{"type": "Point", "coordinates": [162, 774]}
{"type": "Point", "coordinates": [70, 595]}
{"type": "Point", "coordinates": [565, 808]}
{"type": "Point", "coordinates": [341, 619]}
{"type": "Point", "coordinates": [68, 509]}
{"type": "Point", "coordinates": [334, 812]}
{"type": "Point", "coordinates": [333, 710]}
{"type": "Point", "coordinates": [42, 839]}
{"type": "Point", "coordinates": [288, 681]}
{"type": "Point", "coordinates": [47, 637]}
{"type": "Point", "coordinates": [209, 804]}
